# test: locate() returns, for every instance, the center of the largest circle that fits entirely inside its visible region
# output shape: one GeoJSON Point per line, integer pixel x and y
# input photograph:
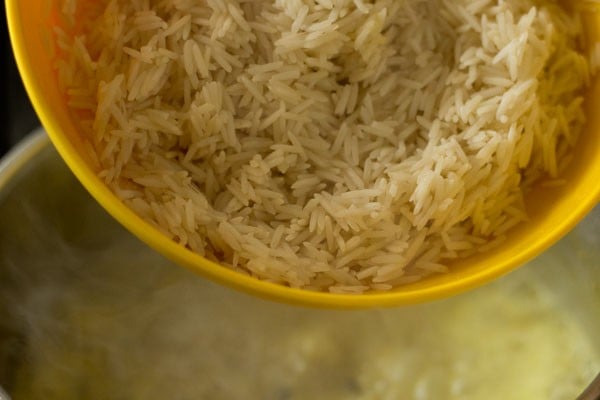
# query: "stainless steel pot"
{"type": "Point", "coordinates": [87, 311]}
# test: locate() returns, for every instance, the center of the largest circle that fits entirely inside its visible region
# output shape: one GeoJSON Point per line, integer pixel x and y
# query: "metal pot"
{"type": "Point", "coordinates": [87, 311]}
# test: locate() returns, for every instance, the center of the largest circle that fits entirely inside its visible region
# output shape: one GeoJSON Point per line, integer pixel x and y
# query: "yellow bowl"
{"type": "Point", "coordinates": [553, 211]}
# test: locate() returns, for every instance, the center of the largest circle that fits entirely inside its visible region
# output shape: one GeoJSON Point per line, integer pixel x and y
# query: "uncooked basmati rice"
{"type": "Point", "coordinates": [339, 145]}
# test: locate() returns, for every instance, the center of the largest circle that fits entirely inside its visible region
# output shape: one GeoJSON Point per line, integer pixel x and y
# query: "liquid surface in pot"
{"type": "Point", "coordinates": [170, 335]}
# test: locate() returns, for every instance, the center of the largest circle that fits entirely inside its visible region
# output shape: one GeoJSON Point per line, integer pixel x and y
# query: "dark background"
{"type": "Point", "coordinates": [17, 117]}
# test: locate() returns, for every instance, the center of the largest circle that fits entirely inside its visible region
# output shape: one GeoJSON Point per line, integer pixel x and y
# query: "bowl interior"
{"type": "Point", "coordinates": [553, 211]}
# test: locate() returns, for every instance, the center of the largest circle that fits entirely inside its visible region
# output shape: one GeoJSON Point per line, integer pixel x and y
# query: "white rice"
{"type": "Point", "coordinates": [332, 145]}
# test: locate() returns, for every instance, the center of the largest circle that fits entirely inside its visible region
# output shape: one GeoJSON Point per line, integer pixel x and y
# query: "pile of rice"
{"type": "Point", "coordinates": [334, 145]}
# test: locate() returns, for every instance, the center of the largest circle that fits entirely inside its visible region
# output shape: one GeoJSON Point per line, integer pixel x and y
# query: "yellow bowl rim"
{"type": "Point", "coordinates": [185, 257]}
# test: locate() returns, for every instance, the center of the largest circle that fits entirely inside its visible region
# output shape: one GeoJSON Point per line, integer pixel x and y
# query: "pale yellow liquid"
{"type": "Point", "coordinates": [107, 335]}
